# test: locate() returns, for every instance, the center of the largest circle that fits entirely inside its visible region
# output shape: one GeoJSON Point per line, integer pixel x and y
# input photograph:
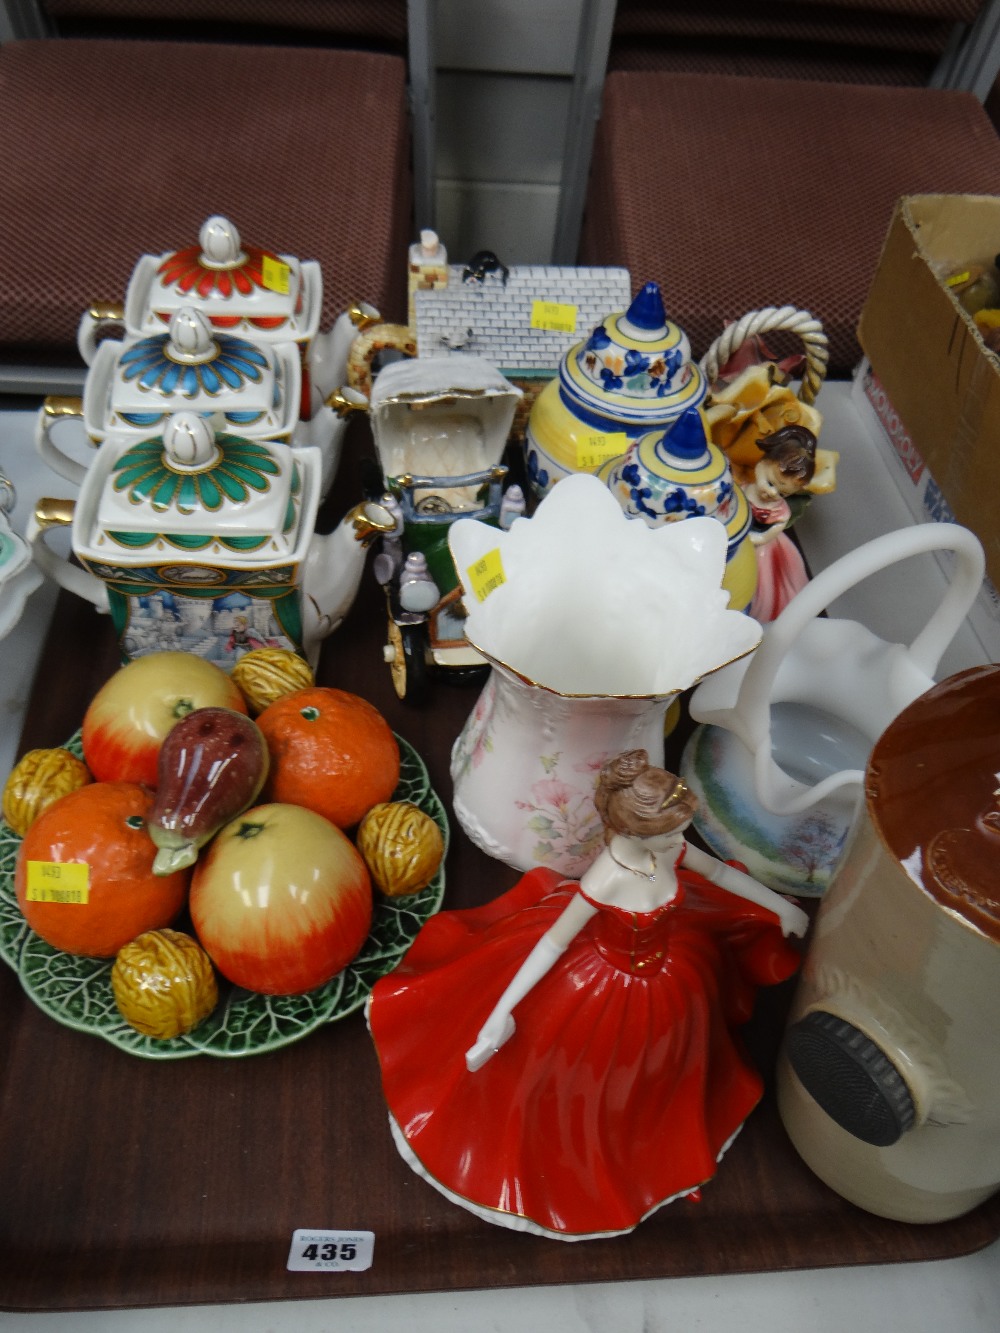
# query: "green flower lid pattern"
{"type": "Point", "coordinates": [239, 468]}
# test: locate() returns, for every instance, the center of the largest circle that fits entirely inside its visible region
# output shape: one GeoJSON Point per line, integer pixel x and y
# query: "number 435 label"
{"type": "Point", "coordinates": [331, 1251]}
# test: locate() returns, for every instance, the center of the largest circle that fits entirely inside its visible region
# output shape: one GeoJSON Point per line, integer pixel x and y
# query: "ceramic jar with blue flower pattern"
{"type": "Point", "coordinates": [633, 374]}
{"type": "Point", "coordinates": [678, 473]}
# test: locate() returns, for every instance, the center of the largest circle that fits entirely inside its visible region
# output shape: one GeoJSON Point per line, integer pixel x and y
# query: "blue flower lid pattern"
{"type": "Point", "coordinates": [635, 368]}
{"type": "Point", "coordinates": [679, 473]}
{"type": "Point", "coordinates": [194, 366]}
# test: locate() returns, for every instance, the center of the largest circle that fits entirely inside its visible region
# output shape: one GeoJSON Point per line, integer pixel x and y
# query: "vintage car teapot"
{"type": "Point", "coordinates": [135, 385]}
{"type": "Point", "coordinates": [633, 374]}
{"type": "Point", "coordinates": [205, 542]}
{"type": "Point", "coordinates": [249, 292]}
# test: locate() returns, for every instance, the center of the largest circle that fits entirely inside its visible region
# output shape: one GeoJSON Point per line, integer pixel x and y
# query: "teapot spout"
{"type": "Point", "coordinates": [332, 573]}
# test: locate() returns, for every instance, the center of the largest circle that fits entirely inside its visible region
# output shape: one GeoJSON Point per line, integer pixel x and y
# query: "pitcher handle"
{"type": "Point", "coordinates": [753, 701]}
{"type": "Point", "coordinates": [53, 409]}
{"type": "Point", "coordinates": [101, 315]}
{"type": "Point", "coordinates": [49, 514]}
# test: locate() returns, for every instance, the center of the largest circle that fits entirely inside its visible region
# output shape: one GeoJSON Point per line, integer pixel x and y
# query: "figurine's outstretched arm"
{"type": "Point", "coordinates": [499, 1027]}
{"type": "Point", "coordinates": [793, 920]}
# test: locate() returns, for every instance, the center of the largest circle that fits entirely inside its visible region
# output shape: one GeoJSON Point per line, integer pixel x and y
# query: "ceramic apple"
{"type": "Point", "coordinates": [212, 765]}
{"type": "Point", "coordinates": [133, 711]}
{"type": "Point", "coordinates": [281, 900]}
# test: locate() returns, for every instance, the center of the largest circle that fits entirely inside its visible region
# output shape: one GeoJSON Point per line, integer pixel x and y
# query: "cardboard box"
{"type": "Point", "coordinates": [929, 355]}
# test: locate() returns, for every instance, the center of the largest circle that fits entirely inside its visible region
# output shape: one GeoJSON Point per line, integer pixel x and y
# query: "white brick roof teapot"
{"type": "Point", "coordinates": [206, 542]}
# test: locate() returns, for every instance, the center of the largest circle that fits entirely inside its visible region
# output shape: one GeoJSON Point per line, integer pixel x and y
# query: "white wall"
{"type": "Point", "coordinates": [505, 71]}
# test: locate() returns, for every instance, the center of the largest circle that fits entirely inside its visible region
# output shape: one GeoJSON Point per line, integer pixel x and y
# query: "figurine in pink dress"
{"type": "Point", "coordinates": [563, 1060]}
{"type": "Point", "coordinates": [786, 467]}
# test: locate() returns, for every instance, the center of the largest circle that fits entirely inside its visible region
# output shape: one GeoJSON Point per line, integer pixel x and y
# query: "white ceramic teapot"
{"type": "Point", "coordinates": [248, 292]}
{"type": "Point", "coordinates": [206, 542]}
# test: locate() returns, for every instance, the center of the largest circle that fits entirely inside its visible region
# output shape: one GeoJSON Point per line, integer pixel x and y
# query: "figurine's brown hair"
{"type": "Point", "coordinates": [793, 450]}
{"type": "Point", "coordinates": [636, 798]}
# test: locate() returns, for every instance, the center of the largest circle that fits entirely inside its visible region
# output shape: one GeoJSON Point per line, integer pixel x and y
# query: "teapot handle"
{"type": "Point", "coordinates": [48, 514]}
{"type": "Point", "coordinates": [53, 409]}
{"type": "Point", "coordinates": [101, 315]}
{"type": "Point", "coordinates": [750, 716]}
{"type": "Point", "coordinates": [366, 346]}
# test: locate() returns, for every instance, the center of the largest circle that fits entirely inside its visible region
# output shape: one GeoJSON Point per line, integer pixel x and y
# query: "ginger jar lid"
{"type": "Point", "coordinates": [678, 473]}
{"type": "Point", "coordinates": [137, 384]}
{"type": "Point", "coordinates": [192, 490]}
{"type": "Point", "coordinates": [635, 369]}
{"type": "Point", "coordinates": [240, 288]}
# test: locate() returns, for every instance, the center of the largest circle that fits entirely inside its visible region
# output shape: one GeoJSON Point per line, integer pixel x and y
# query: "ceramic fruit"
{"type": "Point", "coordinates": [281, 900]}
{"type": "Point", "coordinates": [331, 751]}
{"type": "Point", "coordinates": [37, 779]}
{"type": "Point", "coordinates": [164, 984]}
{"type": "Point", "coordinates": [129, 717]}
{"type": "Point", "coordinates": [206, 541]}
{"type": "Point", "coordinates": [632, 375]}
{"type": "Point", "coordinates": [402, 847]}
{"type": "Point", "coordinates": [266, 674]}
{"type": "Point", "coordinates": [212, 765]}
{"type": "Point", "coordinates": [84, 874]}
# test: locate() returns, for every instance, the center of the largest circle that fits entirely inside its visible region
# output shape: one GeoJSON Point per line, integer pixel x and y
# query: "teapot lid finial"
{"type": "Point", "coordinates": [220, 243]}
{"type": "Point", "coordinates": [189, 442]}
{"type": "Point", "coordinates": [646, 311]}
{"type": "Point", "coordinates": [191, 338]}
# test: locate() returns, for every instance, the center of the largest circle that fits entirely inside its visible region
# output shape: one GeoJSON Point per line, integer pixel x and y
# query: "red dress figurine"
{"type": "Point", "coordinates": [623, 1083]}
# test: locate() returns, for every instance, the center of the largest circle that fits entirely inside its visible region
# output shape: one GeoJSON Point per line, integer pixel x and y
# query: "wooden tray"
{"type": "Point", "coordinates": [128, 1182]}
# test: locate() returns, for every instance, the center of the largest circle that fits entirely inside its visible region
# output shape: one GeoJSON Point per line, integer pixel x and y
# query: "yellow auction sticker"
{"type": "Point", "coordinates": [957, 279]}
{"type": "Point", "coordinates": [551, 315]}
{"type": "Point", "coordinates": [487, 574]}
{"type": "Point", "coordinates": [274, 275]}
{"type": "Point", "coordinates": [58, 882]}
{"type": "Point", "coordinates": [593, 451]}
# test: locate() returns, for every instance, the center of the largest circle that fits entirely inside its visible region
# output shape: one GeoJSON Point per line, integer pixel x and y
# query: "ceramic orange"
{"type": "Point", "coordinates": [331, 751]}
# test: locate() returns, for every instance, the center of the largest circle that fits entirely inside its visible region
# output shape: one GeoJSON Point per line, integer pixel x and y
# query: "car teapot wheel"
{"type": "Point", "coordinates": [406, 654]}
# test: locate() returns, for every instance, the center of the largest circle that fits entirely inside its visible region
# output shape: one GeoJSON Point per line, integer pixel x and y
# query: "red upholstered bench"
{"type": "Point", "coordinates": [112, 148]}
{"type": "Point", "coordinates": [735, 193]}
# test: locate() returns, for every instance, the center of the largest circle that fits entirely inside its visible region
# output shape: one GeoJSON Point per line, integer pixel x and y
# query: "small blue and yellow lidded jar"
{"type": "Point", "coordinates": [632, 375]}
{"type": "Point", "coordinates": [678, 473]}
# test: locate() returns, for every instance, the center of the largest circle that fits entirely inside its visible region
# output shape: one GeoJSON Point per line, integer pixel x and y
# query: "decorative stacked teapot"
{"type": "Point", "coordinates": [205, 542]}
{"type": "Point", "coordinates": [632, 375]}
{"type": "Point", "coordinates": [248, 292]}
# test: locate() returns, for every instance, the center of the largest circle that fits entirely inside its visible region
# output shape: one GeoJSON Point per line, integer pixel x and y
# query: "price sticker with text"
{"type": "Point", "coordinates": [330, 1251]}
{"type": "Point", "coordinates": [275, 275]}
{"type": "Point", "coordinates": [58, 882]}
{"type": "Point", "coordinates": [593, 451]}
{"type": "Point", "coordinates": [486, 574]}
{"type": "Point", "coordinates": [554, 316]}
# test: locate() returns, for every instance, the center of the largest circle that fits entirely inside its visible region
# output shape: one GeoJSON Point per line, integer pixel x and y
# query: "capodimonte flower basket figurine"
{"type": "Point", "coordinates": [206, 542]}
{"type": "Point", "coordinates": [592, 624]}
{"type": "Point", "coordinates": [249, 292]}
{"type": "Point", "coordinates": [19, 576]}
